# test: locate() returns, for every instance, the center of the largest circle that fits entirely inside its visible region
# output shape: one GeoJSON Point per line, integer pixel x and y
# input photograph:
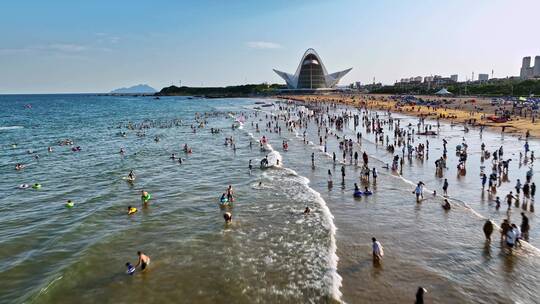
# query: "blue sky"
{"type": "Point", "coordinates": [96, 46]}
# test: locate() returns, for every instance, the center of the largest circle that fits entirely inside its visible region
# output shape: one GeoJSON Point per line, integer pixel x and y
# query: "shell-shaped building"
{"type": "Point", "coordinates": [311, 74]}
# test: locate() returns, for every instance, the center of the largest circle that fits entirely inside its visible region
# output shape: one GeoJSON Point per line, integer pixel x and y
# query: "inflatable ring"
{"type": "Point", "coordinates": [357, 194]}
{"type": "Point", "coordinates": [36, 186]}
{"type": "Point", "coordinates": [70, 205]}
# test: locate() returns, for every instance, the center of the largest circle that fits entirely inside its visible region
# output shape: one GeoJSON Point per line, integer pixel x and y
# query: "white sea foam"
{"type": "Point", "coordinates": [11, 128]}
{"type": "Point", "coordinates": [332, 278]}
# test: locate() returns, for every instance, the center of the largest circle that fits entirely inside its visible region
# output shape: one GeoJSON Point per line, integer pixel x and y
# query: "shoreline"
{"type": "Point", "coordinates": [456, 110]}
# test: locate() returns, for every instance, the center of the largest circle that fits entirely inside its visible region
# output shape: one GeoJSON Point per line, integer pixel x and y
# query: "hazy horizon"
{"type": "Point", "coordinates": [97, 46]}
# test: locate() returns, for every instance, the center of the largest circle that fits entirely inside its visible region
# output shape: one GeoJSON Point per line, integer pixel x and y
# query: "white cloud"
{"type": "Point", "coordinates": [64, 47]}
{"type": "Point", "coordinates": [54, 48]}
{"type": "Point", "coordinates": [263, 45]}
{"type": "Point", "coordinates": [107, 38]}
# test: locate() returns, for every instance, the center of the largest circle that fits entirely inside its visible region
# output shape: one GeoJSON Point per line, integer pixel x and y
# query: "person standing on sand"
{"type": "Point", "coordinates": [377, 249]}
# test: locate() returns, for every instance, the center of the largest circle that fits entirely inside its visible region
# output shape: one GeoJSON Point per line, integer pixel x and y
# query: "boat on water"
{"type": "Point", "coordinates": [427, 133]}
{"type": "Point", "coordinates": [266, 105]}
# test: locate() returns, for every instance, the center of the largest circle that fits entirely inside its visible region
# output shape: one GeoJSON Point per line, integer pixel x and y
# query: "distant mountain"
{"type": "Point", "coordinates": [136, 89]}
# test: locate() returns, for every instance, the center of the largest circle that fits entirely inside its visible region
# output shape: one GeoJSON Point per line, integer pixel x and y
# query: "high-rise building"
{"type": "Point", "coordinates": [428, 79]}
{"type": "Point", "coordinates": [454, 77]}
{"type": "Point", "coordinates": [311, 74]}
{"type": "Point", "coordinates": [527, 71]}
{"type": "Point", "coordinates": [483, 77]}
{"type": "Point", "coordinates": [536, 69]}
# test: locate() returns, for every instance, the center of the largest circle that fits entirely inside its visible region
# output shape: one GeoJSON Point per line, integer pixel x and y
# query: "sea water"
{"type": "Point", "coordinates": [271, 252]}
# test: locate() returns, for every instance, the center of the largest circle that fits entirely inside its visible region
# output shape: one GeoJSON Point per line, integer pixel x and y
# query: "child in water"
{"type": "Point", "coordinates": [227, 216]}
{"type": "Point", "coordinates": [131, 210]}
{"type": "Point", "coordinates": [130, 269]}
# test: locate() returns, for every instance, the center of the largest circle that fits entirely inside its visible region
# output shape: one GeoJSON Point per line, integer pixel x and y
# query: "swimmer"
{"type": "Point", "coordinates": [131, 210]}
{"type": "Point", "coordinates": [172, 156]}
{"type": "Point", "coordinates": [180, 160]}
{"type": "Point", "coordinates": [49, 149]}
{"type": "Point", "coordinates": [227, 216]}
{"type": "Point", "coordinates": [356, 189]}
{"type": "Point", "coordinates": [131, 176]}
{"type": "Point", "coordinates": [446, 206]}
{"type": "Point", "coordinates": [144, 260]}
{"type": "Point", "coordinates": [130, 269]}
{"type": "Point", "coordinates": [145, 196]}
{"type": "Point", "coordinates": [307, 210]}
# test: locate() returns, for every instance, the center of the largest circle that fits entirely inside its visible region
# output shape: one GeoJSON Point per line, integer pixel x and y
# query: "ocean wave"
{"type": "Point", "coordinates": [332, 277]}
{"type": "Point", "coordinates": [11, 128]}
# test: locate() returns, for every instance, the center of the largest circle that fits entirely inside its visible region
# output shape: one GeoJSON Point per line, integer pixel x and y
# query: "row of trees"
{"type": "Point", "coordinates": [230, 91]}
{"type": "Point", "coordinates": [504, 87]}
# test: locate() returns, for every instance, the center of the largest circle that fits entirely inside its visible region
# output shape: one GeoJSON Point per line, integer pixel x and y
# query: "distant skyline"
{"type": "Point", "coordinates": [96, 46]}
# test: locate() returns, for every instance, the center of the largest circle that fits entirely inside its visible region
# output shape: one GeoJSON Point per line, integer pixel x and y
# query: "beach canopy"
{"type": "Point", "coordinates": [443, 91]}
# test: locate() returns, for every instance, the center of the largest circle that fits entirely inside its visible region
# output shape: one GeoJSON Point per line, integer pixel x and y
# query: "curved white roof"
{"type": "Point", "coordinates": [330, 79]}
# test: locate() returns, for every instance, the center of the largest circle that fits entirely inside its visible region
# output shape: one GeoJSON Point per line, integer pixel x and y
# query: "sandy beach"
{"type": "Point", "coordinates": [473, 111]}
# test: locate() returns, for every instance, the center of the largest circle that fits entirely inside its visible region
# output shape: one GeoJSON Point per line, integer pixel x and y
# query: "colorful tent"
{"type": "Point", "coordinates": [443, 91]}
